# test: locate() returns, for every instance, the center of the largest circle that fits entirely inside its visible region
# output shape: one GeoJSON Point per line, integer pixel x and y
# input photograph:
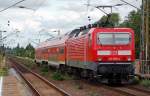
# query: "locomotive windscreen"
{"type": "Point", "coordinates": [113, 38]}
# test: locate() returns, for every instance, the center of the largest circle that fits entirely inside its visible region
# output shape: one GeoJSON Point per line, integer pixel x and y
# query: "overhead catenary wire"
{"type": "Point", "coordinates": [101, 10]}
{"type": "Point", "coordinates": [43, 1]}
{"type": "Point", "coordinates": [87, 10]}
{"type": "Point", "coordinates": [12, 5]}
{"type": "Point", "coordinates": [34, 9]}
{"type": "Point", "coordinates": [21, 6]}
{"type": "Point", "coordinates": [88, 4]}
{"type": "Point", "coordinates": [130, 4]}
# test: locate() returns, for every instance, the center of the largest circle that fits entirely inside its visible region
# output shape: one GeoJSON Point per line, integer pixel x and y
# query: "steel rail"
{"type": "Point", "coordinates": [35, 92]}
{"type": "Point", "coordinates": [139, 89]}
{"type": "Point", "coordinates": [123, 92]}
{"type": "Point", "coordinates": [118, 90]}
{"type": "Point", "coordinates": [64, 93]}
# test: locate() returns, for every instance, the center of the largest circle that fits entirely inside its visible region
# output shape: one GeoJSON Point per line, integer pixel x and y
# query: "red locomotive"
{"type": "Point", "coordinates": [92, 52]}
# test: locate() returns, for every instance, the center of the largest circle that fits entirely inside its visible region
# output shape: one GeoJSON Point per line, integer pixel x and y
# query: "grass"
{"type": "Point", "coordinates": [57, 76]}
{"type": "Point", "coordinates": [79, 86]}
{"type": "Point", "coordinates": [3, 71]}
{"type": "Point", "coordinates": [93, 94]}
{"type": "Point", "coordinates": [44, 71]}
{"type": "Point", "coordinates": [68, 77]}
{"type": "Point", "coordinates": [30, 66]}
{"type": "Point", "coordinates": [26, 61]}
{"type": "Point", "coordinates": [61, 76]}
{"type": "Point", "coordinates": [145, 83]}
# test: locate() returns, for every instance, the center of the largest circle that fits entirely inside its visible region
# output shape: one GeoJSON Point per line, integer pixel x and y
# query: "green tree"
{"type": "Point", "coordinates": [19, 51]}
{"type": "Point", "coordinates": [29, 51]}
{"type": "Point", "coordinates": [113, 20]}
{"type": "Point", "coordinates": [24, 52]}
{"type": "Point", "coordinates": [134, 21]}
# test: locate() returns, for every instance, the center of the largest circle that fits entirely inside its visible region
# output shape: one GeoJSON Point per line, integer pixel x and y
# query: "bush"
{"type": "Point", "coordinates": [44, 69]}
{"type": "Point", "coordinates": [145, 83]}
{"type": "Point", "coordinates": [44, 73]}
{"type": "Point", "coordinates": [3, 71]}
{"type": "Point", "coordinates": [57, 76]}
{"type": "Point", "coordinates": [68, 77]}
{"type": "Point", "coordinates": [30, 66]}
{"type": "Point", "coordinates": [135, 80]}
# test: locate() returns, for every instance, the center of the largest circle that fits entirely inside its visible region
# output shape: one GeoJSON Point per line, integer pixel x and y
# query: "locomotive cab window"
{"type": "Point", "coordinates": [105, 39]}
{"type": "Point", "coordinates": [113, 38]}
{"type": "Point", "coordinates": [123, 38]}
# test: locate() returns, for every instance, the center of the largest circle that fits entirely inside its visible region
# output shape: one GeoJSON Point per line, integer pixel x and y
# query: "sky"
{"type": "Point", "coordinates": [40, 18]}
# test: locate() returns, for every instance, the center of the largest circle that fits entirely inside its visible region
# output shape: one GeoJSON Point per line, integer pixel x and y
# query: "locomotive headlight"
{"type": "Point", "coordinates": [124, 52]}
{"type": "Point", "coordinates": [99, 59]}
{"type": "Point", "coordinates": [103, 52]}
{"type": "Point", "coordinates": [129, 59]}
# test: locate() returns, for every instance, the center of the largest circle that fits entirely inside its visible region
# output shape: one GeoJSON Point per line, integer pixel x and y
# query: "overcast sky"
{"type": "Point", "coordinates": [44, 16]}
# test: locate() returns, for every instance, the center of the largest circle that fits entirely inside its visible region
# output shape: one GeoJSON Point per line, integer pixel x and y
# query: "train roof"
{"type": "Point", "coordinates": [60, 40]}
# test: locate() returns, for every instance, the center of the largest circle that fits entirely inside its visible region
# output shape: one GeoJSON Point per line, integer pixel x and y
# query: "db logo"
{"type": "Point", "coordinates": [114, 53]}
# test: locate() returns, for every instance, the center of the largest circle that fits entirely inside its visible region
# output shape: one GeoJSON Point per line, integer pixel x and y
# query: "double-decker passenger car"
{"type": "Point", "coordinates": [92, 52]}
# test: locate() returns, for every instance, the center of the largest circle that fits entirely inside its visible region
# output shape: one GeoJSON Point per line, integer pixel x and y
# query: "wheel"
{"type": "Point", "coordinates": [110, 81]}
{"type": "Point", "coordinates": [37, 63]}
{"type": "Point", "coordinates": [84, 73]}
{"type": "Point", "coordinates": [114, 81]}
{"type": "Point", "coordinates": [69, 70]}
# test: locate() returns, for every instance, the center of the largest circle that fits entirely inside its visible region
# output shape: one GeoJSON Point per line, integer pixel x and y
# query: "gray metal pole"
{"type": "Point", "coordinates": [1, 43]}
{"type": "Point", "coordinates": [142, 43]}
{"type": "Point", "coordinates": [1, 39]}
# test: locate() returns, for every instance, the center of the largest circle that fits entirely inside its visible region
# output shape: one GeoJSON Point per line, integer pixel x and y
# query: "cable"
{"type": "Point", "coordinates": [12, 5]}
{"type": "Point", "coordinates": [101, 10]}
{"type": "Point", "coordinates": [43, 1]}
{"type": "Point", "coordinates": [87, 13]}
{"type": "Point", "coordinates": [130, 4]}
{"type": "Point", "coordinates": [88, 4]}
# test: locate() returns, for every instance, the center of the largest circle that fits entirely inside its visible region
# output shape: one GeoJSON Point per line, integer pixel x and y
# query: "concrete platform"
{"type": "Point", "coordinates": [10, 86]}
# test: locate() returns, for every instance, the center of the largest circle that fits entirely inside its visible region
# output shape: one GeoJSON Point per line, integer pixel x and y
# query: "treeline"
{"type": "Point", "coordinates": [28, 51]}
{"type": "Point", "coordinates": [134, 21]}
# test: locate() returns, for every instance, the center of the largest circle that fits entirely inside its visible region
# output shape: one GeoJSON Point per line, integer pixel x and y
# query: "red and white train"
{"type": "Point", "coordinates": [93, 52]}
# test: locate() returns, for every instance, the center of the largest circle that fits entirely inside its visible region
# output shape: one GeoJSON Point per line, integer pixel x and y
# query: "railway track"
{"type": "Point", "coordinates": [31, 77]}
{"type": "Point", "coordinates": [128, 90]}
{"type": "Point", "coordinates": [123, 90]}
{"type": "Point", "coordinates": [38, 85]}
{"type": "Point", "coordinates": [137, 88]}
